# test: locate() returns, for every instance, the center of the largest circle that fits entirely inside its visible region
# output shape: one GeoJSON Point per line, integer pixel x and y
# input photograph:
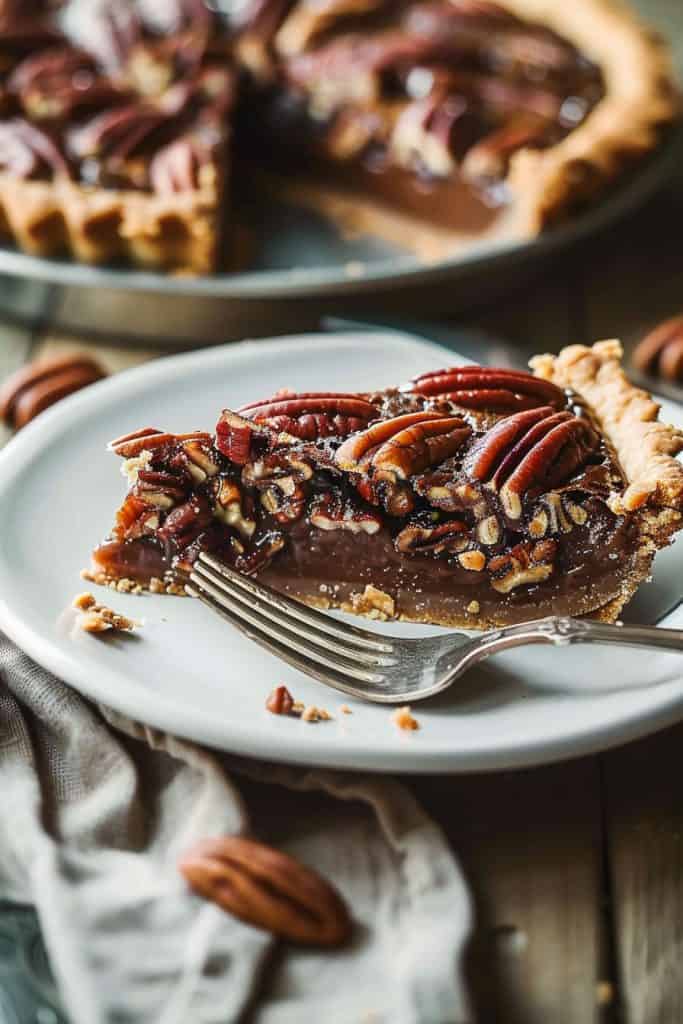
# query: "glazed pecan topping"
{"type": "Point", "coordinates": [175, 168]}
{"type": "Point", "coordinates": [312, 415]}
{"type": "Point", "coordinates": [330, 511]}
{"type": "Point", "coordinates": [26, 152]}
{"type": "Point", "coordinates": [130, 446]}
{"type": "Point", "coordinates": [404, 445]}
{"type": "Point", "coordinates": [489, 158]}
{"type": "Point", "coordinates": [310, 18]}
{"type": "Point", "coordinates": [525, 563]}
{"type": "Point", "coordinates": [61, 82]}
{"type": "Point", "coordinates": [477, 387]}
{"type": "Point", "coordinates": [434, 539]}
{"type": "Point", "coordinates": [531, 450]}
{"type": "Point", "coordinates": [186, 522]}
{"type": "Point", "coordinates": [116, 133]}
{"type": "Point", "coordinates": [234, 437]}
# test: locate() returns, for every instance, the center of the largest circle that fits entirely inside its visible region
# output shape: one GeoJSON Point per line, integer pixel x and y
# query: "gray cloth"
{"type": "Point", "coordinates": [96, 810]}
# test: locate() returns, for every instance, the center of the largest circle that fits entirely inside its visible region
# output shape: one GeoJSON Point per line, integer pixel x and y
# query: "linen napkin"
{"type": "Point", "coordinates": [96, 810]}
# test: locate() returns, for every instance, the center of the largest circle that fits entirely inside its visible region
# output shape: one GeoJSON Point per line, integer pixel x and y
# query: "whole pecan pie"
{"type": "Point", "coordinates": [467, 496]}
{"type": "Point", "coordinates": [120, 119]}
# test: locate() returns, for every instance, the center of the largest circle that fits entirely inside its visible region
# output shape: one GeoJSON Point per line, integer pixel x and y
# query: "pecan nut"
{"type": "Point", "coordinates": [149, 439]}
{"type": "Point", "coordinates": [267, 889]}
{"type": "Point", "coordinates": [311, 415]}
{"type": "Point", "coordinates": [331, 512]}
{"type": "Point", "coordinates": [435, 539]}
{"type": "Point", "coordinates": [383, 457]}
{"type": "Point", "coordinates": [405, 445]}
{"type": "Point", "coordinates": [661, 351]}
{"type": "Point", "coordinates": [523, 564]}
{"type": "Point", "coordinates": [40, 384]}
{"type": "Point", "coordinates": [529, 450]}
{"type": "Point", "coordinates": [26, 152]}
{"type": "Point", "coordinates": [476, 387]}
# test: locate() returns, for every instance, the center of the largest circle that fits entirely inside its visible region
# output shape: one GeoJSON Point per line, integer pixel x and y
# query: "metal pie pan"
{"type": "Point", "coordinates": [303, 268]}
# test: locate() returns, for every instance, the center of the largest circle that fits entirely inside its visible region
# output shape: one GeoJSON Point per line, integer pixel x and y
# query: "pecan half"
{"type": "Point", "coordinates": [58, 83]}
{"type": "Point", "coordinates": [26, 152]}
{"type": "Point", "coordinates": [424, 135]}
{"type": "Point", "coordinates": [162, 490]}
{"type": "Point", "coordinates": [404, 445]}
{"type": "Point", "coordinates": [437, 539]}
{"type": "Point", "coordinates": [330, 511]}
{"type": "Point", "coordinates": [477, 387]}
{"type": "Point", "coordinates": [310, 18]}
{"type": "Point", "coordinates": [383, 457]}
{"type": "Point", "coordinates": [234, 435]}
{"type": "Point", "coordinates": [234, 508]}
{"type": "Point", "coordinates": [267, 889]}
{"type": "Point", "coordinates": [40, 384]}
{"type": "Point", "coordinates": [176, 167]}
{"type": "Point", "coordinates": [523, 564]}
{"type": "Point", "coordinates": [312, 415]}
{"type": "Point", "coordinates": [489, 159]}
{"type": "Point", "coordinates": [129, 446]}
{"type": "Point", "coordinates": [115, 133]}
{"type": "Point", "coordinates": [532, 449]}
{"type": "Point", "coordinates": [185, 523]}
{"type": "Point", "coordinates": [661, 351]}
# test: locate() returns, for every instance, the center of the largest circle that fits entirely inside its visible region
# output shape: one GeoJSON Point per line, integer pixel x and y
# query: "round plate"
{"type": "Point", "coordinates": [189, 672]}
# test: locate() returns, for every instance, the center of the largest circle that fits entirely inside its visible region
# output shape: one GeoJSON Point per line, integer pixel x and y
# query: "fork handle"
{"type": "Point", "coordinates": [562, 630]}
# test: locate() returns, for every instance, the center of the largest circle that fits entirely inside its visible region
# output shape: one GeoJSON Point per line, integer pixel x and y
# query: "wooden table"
{"type": "Point", "coordinates": [576, 868]}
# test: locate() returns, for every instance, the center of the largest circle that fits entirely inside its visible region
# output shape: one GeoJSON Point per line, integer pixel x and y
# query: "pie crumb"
{"type": "Point", "coordinates": [97, 618]}
{"type": "Point", "coordinates": [374, 603]}
{"type": "Point", "coordinates": [403, 719]}
{"type": "Point", "coordinates": [314, 714]}
{"type": "Point", "coordinates": [345, 709]}
{"type": "Point", "coordinates": [281, 702]}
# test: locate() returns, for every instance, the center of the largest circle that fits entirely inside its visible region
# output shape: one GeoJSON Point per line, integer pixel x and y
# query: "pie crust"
{"type": "Point", "coordinates": [181, 230]}
{"type": "Point", "coordinates": [468, 497]}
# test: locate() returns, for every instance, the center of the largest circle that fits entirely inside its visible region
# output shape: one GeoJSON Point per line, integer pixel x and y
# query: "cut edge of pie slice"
{"type": "Point", "coordinates": [470, 497]}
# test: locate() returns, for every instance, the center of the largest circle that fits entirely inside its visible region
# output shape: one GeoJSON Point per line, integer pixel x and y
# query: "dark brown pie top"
{"type": "Point", "coordinates": [489, 474]}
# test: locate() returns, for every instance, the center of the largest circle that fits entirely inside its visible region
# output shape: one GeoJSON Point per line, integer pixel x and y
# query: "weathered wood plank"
{"type": "Point", "coordinates": [529, 843]}
{"type": "Point", "coordinates": [644, 814]}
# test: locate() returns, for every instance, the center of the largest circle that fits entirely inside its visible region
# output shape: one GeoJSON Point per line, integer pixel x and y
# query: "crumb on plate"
{"type": "Point", "coordinates": [403, 719]}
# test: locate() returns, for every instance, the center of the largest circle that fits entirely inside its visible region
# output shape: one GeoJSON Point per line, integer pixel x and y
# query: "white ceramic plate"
{"type": "Point", "coordinates": [190, 672]}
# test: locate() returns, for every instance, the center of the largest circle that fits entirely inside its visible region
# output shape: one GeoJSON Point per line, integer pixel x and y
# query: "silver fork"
{"type": "Point", "coordinates": [385, 669]}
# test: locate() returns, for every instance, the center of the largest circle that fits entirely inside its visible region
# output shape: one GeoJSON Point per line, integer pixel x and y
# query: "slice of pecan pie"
{"type": "Point", "coordinates": [119, 119]}
{"type": "Point", "coordinates": [469, 496]}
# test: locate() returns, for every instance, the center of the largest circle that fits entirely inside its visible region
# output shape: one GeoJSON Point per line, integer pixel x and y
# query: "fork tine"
{"type": "Point", "coordinates": [329, 677]}
{"type": "Point", "coordinates": [300, 612]}
{"type": "Point", "coordinates": [310, 658]}
{"type": "Point", "coordinates": [280, 617]}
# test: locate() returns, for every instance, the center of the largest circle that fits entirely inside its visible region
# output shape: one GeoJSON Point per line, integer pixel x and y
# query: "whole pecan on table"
{"type": "Point", "coordinates": [35, 387]}
{"type": "Point", "coordinates": [267, 889]}
{"type": "Point", "coordinates": [661, 351]}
